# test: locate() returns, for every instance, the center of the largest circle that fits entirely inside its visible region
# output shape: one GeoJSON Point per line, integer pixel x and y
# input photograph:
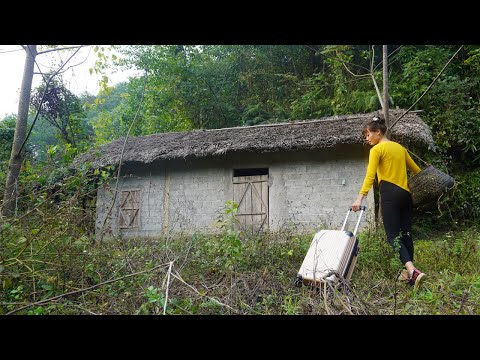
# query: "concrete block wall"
{"type": "Point", "coordinates": [315, 194]}
{"type": "Point", "coordinates": [174, 198]}
{"type": "Point", "coordinates": [151, 186]}
{"type": "Point", "coordinates": [196, 198]}
{"type": "Point", "coordinates": [309, 190]}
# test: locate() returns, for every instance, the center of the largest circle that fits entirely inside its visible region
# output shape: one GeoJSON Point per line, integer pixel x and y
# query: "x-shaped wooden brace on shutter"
{"type": "Point", "coordinates": [130, 213]}
{"type": "Point", "coordinates": [264, 214]}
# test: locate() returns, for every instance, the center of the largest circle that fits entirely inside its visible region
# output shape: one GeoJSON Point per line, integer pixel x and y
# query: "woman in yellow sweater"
{"type": "Point", "coordinates": [389, 161]}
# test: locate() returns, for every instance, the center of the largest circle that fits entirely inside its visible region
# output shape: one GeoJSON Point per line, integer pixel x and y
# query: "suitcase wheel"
{"type": "Point", "coordinates": [298, 281]}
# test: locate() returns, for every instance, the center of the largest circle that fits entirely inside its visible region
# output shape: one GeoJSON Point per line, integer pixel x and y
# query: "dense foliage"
{"type": "Point", "coordinates": [7, 131]}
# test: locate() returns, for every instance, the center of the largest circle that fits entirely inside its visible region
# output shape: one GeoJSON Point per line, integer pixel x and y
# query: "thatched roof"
{"type": "Point", "coordinates": [302, 135]}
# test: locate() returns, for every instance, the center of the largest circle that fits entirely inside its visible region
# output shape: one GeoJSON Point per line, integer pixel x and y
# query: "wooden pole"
{"type": "Point", "coordinates": [385, 91]}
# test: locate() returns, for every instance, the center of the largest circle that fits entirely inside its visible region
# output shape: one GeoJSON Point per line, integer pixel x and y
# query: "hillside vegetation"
{"type": "Point", "coordinates": [52, 263]}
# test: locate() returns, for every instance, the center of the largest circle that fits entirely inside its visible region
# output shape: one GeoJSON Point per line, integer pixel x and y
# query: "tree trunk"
{"type": "Point", "coordinates": [16, 158]}
{"type": "Point", "coordinates": [385, 91]}
{"type": "Point", "coordinates": [386, 116]}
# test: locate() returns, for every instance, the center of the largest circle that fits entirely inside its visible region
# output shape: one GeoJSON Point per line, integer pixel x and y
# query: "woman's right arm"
{"type": "Point", "coordinates": [373, 159]}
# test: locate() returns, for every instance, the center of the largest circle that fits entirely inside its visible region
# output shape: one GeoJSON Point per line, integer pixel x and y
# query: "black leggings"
{"type": "Point", "coordinates": [396, 206]}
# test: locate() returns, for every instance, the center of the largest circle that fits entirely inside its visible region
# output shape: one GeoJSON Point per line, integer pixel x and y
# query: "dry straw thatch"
{"type": "Point", "coordinates": [302, 135]}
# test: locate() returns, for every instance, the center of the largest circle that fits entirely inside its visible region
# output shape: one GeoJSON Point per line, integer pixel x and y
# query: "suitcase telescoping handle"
{"type": "Point", "coordinates": [362, 208]}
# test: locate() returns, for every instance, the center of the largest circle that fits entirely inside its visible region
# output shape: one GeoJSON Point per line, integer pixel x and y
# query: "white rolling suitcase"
{"type": "Point", "coordinates": [332, 254]}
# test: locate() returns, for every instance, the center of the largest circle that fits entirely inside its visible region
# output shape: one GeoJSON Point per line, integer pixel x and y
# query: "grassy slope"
{"type": "Point", "coordinates": [221, 275]}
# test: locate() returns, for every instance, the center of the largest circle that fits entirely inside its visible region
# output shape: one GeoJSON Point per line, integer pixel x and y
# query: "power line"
{"type": "Point", "coordinates": [433, 82]}
{"type": "Point", "coordinates": [9, 51]}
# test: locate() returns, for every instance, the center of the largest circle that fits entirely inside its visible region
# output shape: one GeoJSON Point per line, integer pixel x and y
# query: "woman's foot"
{"type": "Point", "coordinates": [416, 278]}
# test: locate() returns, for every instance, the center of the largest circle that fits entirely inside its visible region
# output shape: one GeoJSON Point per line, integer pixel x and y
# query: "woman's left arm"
{"type": "Point", "coordinates": [411, 164]}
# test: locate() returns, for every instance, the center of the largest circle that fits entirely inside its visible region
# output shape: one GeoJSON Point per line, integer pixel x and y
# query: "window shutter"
{"type": "Point", "coordinates": [129, 209]}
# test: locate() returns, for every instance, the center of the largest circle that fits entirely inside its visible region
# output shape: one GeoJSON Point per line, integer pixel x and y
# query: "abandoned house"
{"type": "Point", "coordinates": [304, 174]}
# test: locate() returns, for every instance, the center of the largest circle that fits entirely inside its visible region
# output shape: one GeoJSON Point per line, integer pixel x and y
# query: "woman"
{"type": "Point", "coordinates": [389, 161]}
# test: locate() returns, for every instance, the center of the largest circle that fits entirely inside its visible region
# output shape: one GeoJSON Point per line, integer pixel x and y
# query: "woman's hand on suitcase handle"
{"type": "Point", "coordinates": [358, 202]}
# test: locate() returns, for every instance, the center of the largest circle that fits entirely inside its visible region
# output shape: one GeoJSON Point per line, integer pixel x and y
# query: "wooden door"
{"type": "Point", "coordinates": [251, 195]}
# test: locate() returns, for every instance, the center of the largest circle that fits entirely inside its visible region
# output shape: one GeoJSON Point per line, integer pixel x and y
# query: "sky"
{"type": "Point", "coordinates": [77, 79]}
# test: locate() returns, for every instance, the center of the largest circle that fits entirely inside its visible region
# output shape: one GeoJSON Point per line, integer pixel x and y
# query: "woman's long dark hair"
{"type": "Point", "coordinates": [377, 123]}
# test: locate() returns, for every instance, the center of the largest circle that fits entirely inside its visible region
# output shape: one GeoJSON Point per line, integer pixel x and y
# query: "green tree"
{"type": "Point", "coordinates": [63, 110]}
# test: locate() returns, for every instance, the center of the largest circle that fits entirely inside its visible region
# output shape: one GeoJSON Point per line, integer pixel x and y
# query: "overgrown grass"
{"type": "Point", "coordinates": [225, 273]}
{"type": "Point", "coordinates": [50, 265]}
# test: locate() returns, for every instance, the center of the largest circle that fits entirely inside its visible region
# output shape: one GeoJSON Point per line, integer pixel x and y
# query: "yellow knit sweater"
{"type": "Point", "coordinates": [389, 160]}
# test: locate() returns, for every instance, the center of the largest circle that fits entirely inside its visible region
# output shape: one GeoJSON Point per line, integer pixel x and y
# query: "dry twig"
{"type": "Point", "coordinates": [84, 290]}
{"type": "Point", "coordinates": [168, 284]}
{"type": "Point", "coordinates": [196, 291]}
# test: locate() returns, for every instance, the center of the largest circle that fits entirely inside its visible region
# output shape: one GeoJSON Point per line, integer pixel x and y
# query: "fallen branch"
{"type": "Point", "coordinates": [168, 284]}
{"type": "Point", "coordinates": [211, 298]}
{"type": "Point", "coordinates": [84, 290]}
{"type": "Point", "coordinates": [325, 298]}
{"type": "Point", "coordinates": [346, 306]}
